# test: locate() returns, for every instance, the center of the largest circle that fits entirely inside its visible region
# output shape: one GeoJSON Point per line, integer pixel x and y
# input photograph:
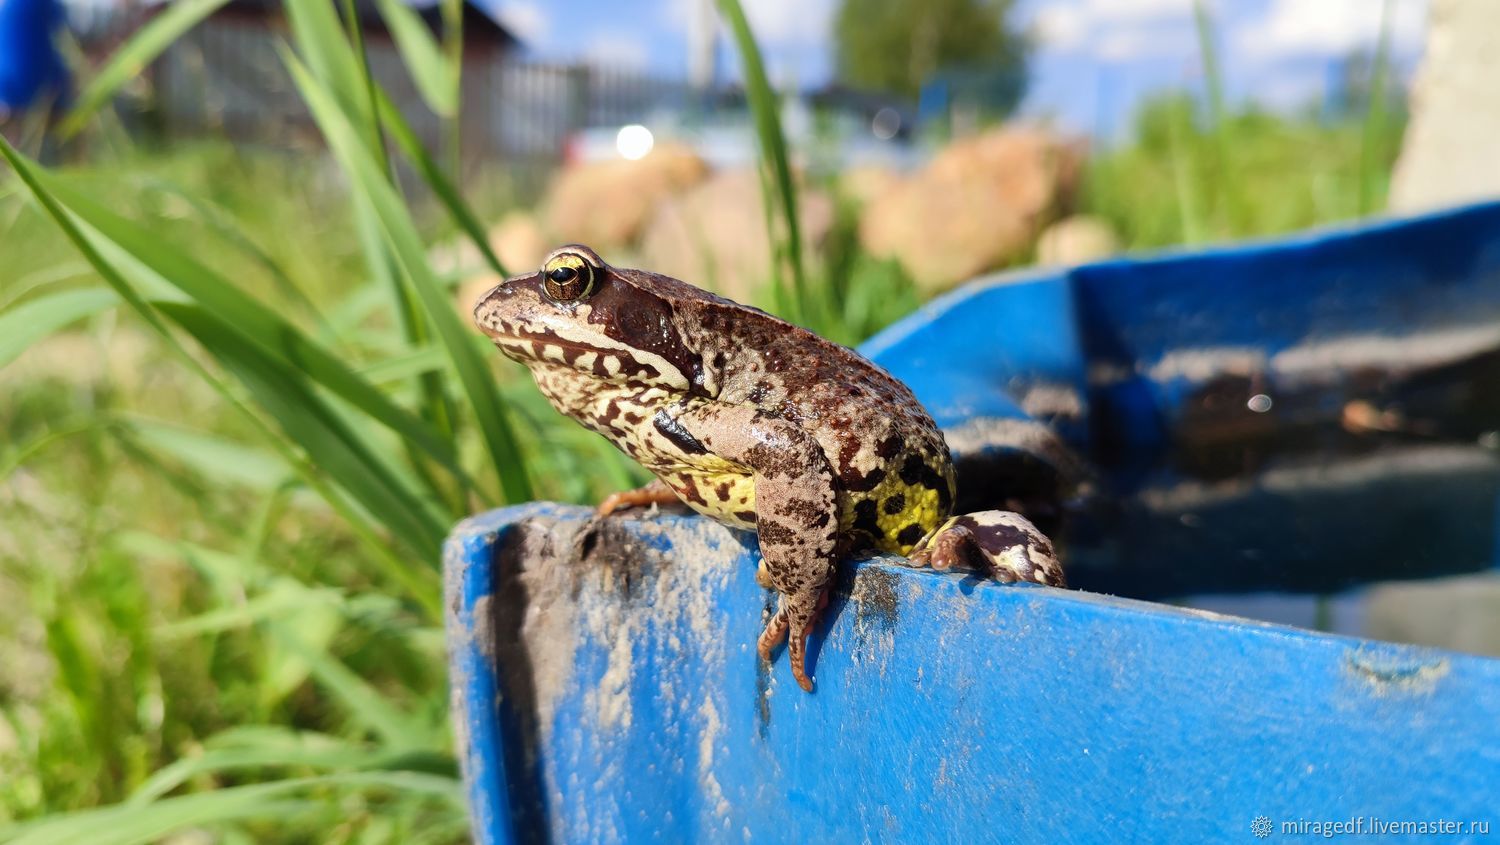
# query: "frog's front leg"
{"type": "Point", "coordinates": [1001, 544]}
{"type": "Point", "coordinates": [796, 512]}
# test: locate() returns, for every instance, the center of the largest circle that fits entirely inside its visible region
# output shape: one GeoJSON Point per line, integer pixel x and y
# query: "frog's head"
{"type": "Point", "coordinates": [579, 313]}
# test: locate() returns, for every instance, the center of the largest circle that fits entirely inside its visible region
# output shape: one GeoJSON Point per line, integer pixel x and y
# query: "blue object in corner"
{"type": "Point", "coordinates": [1301, 415]}
{"type": "Point", "coordinates": [31, 69]}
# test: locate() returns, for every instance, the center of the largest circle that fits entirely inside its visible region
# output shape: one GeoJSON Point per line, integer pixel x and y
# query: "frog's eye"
{"type": "Point", "coordinates": [568, 276]}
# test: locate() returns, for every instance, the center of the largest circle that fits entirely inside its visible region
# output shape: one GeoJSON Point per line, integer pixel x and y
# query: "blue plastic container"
{"type": "Point", "coordinates": [31, 70]}
{"type": "Point", "coordinates": [1300, 416]}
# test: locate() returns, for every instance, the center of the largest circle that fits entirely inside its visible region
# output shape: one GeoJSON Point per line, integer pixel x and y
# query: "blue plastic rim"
{"type": "Point", "coordinates": [606, 689]}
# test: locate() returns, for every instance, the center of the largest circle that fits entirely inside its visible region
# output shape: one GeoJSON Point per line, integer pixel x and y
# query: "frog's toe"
{"type": "Point", "coordinates": [654, 493]}
{"type": "Point", "coordinates": [794, 622]}
{"type": "Point", "coordinates": [1001, 544]}
{"type": "Point", "coordinates": [799, 666]}
{"type": "Point", "coordinates": [776, 631]}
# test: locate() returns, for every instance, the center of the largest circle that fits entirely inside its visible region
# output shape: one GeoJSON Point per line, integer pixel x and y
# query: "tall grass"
{"type": "Point", "coordinates": [317, 424]}
{"type": "Point", "coordinates": [780, 201]}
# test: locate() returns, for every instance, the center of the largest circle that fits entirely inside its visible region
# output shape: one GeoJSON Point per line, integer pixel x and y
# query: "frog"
{"type": "Point", "coordinates": [757, 423]}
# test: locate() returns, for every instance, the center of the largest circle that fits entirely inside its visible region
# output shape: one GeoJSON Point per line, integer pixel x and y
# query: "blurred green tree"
{"type": "Point", "coordinates": [897, 45]}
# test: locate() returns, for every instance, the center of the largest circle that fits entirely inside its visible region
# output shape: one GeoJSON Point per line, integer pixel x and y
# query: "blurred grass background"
{"type": "Point", "coordinates": [220, 560]}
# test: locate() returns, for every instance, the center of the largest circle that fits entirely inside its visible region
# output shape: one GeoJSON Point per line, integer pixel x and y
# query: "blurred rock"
{"type": "Point", "coordinates": [1448, 156]}
{"type": "Point", "coordinates": [607, 204]}
{"type": "Point", "coordinates": [519, 243]}
{"type": "Point", "coordinates": [975, 207]}
{"type": "Point", "coordinates": [1076, 240]}
{"type": "Point", "coordinates": [472, 288]}
{"type": "Point", "coordinates": [864, 184]}
{"type": "Point", "coordinates": [714, 236]}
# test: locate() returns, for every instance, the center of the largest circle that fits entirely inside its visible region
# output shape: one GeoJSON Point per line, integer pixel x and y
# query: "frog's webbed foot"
{"type": "Point", "coordinates": [797, 613]}
{"type": "Point", "coordinates": [654, 493]}
{"type": "Point", "coordinates": [1000, 544]}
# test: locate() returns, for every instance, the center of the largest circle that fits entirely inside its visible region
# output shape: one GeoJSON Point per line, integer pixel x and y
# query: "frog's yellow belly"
{"type": "Point", "coordinates": [713, 487]}
{"type": "Point", "coordinates": [891, 518]}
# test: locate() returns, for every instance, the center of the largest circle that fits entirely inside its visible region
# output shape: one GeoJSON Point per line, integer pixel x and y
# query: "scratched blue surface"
{"type": "Point", "coordinates": [629, 705]}
{"type": "Point", "coordinates": [30, 66]}
{"type": "Point", "coordinates": [948, 710]}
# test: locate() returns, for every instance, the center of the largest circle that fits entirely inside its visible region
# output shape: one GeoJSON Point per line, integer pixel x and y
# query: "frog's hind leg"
{"type": "Point", "coordinates": [653, 493]}
{"type": "Point", "coordinates": [1000, 544]}
{"type": "Point", "coordinates": [796, 513]}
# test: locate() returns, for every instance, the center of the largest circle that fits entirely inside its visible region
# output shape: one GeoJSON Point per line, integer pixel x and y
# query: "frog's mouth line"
{"type": "Point", "coordinates": [548, 348]}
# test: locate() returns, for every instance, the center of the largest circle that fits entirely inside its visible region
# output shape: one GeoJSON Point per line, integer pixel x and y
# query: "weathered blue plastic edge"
{"type": "Point", "coordinates": [475, 699]}
{"type": "Point", "coordinates": [1391, 678]}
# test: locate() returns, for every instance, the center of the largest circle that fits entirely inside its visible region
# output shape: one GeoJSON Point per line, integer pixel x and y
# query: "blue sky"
{"type": "Point", "coordinates": [1095, 58]}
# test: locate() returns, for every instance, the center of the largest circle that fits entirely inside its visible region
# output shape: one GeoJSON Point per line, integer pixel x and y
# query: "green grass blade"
{"type": "Point", "coordinates": [403, 366]}
{"type": "Point", "coordinates": [125, 825]}
{"type": "Point", "coordinates": [453, 47]}
{"type": "Point", "coordinates": [423, 58]}
{"type": "Point", "coordinates": [31, 176]}
{"type": "Point", "coordinates": [35, 319]}
{"type": "Point", "coordinates": [423, 592]}
{"type": "Point", "coordinates": [449, 196]}
{"type": "Point", "coordinates": [273, 604]}
{"type": "Point", "coordinates": [437, 406]}
{"type": "Point", "coordinates": [1371, 164]}
{"type": "Point", "coordinates": [56, 274]}
{"type": "Point", "coordinates": [1228, 174]}
{"type": "Point", "coordinates": [134, 825]}
{"type": "Point", "coordinates": [15, 455]}
{"type": "Point", "coordinates": [1183, 164]}
{"type": "Point", "coordinates": [257, 322]}
{"type": "Point", "coordinates": [437, 409]}
{"type": "Point", "coordinates": [278, 747]}
{"type": "Point", "coordinates": [307, 420]}
{"type": "Point", "coordinates": [365, 705]}
{"type": "Point", "coordinates": [222, 224]}
{"type": "Point", "coordinates": [130, 60]}
{"type": "Point", "coordinates": [765, 106]}
{"type": "Point", "coordinates": [396, 223]}
{"type": "Point", "coordinates": [212, 457]}
{"type": "Point", "coordinates": [320, 40]}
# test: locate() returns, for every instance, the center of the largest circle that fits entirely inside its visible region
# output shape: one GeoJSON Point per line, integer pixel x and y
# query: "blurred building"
{"type": "Point", "coordinates": [227, 76]}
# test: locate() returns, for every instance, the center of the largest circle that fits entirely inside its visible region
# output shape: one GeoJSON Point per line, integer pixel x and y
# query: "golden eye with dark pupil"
{"type": "Point", "coordinates": [567, 283]}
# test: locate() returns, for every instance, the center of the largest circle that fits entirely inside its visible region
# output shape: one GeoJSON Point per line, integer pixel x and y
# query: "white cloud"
{"type": "Point", "coordinates": [524, 18]}
{"type": "Point", "coordinates": [617, 50]}
{"type": "Point", "coordinates": [1062, 27]}
{"type": "Point", "coordinates": [776, 23]}
{"type": "Point", "coordinates": [795, 36]}
{"type": "Point", "coordinates": [1328, 28]}
{"type": "Point", "coordinates": [1116, 30]}
{"type": "Point", "coordinates": [787, 23]}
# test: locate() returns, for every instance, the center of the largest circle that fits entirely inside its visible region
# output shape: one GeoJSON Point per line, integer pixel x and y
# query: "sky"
{"type": "Point", "coordinates": [1094, 59]}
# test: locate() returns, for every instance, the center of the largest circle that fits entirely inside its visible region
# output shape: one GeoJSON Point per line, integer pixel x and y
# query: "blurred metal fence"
{"type": "Point", "coordinates": [227, 77]}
